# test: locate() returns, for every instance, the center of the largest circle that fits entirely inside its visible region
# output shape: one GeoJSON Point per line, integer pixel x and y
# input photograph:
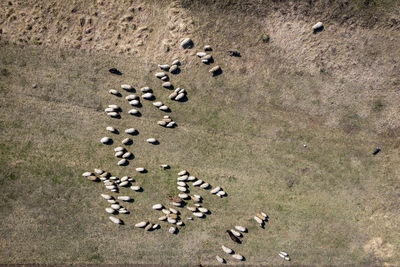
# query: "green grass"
{"type": "Point", "coordinates": [229, 134]}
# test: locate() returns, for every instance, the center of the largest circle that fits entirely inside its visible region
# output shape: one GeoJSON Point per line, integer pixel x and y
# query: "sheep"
{"type": "Point", "coordinates": [201, 54]}
{"type": "Point", "coordinates": [113, 114]}
{"type": "Point", "coordinates": [183, 172]}
{"type": "Point", "coordinates": [197, 196]}
{"type": "Point", "coordinates": [93, 178]}
{"type": "Point", "coordinates": [189, 218]}
{"type": "Point", "coordinates": [140, 169]}
{"type": "Point", "coordinates": [122, 162]}
{"type": "Point", "coordinates": [261, 216]}
{"type": "Point", "coordinates": [192, 178]}
{"type": "Point", "coordinates": [98, 171]}
{"type": "Point", "coordinates": [171, 124]}
{"type": "Point", "coordinates": [158, 104]}
{"type": "Point", "coordinates": [151, 140]}
{"type": "Point", "coordinates": [162, 218]}
{"type": "Point", "coordinates": [164, 108]}
{"type": "Point", "coordinates": [148, 227]}
{"type": "Point", "coordinates": [124, 198]}
{"type": "Point", "coordinates": [215, 69]}
{"type": "Point", "coordinates": [162, 123]}
{"type": "Point", "coordinates": [198, 214]}
{"type": "Point", "coordinates": [105, 174]}
{"type": "Point", "coordinates": [147, 96]}
{"type": "Point", "coordinates": [264, 214]}
{"type": "Point", "coordinates": [115, 206]}
{"type": "Point", "coordinates": [317, 26]}
{"type": "Point", "coordinates": [119, 148]}
{"type": "Point", "coordinates": [173, 68]}
{"type": "Point", "coordinates": [236, 233]}
{"type": "Point", "coordinates": [130, 131]}
{"type": "Point", "coordinates": [284, 254]}
{"type": "Point", "coordinates": [105, 196]}
{"type": "Point", "coordinates": [207, 48]}
{"type": "Point", "coordinates": [237, 256]}
{"type": "Point", "coordinates": [109, 110]}
{"type": "Point", "coordinates": [175, 199]}
{"type": "Point", "coordinates": [176, 62]}
{"type": "Point", "coordinates": [126, 87]}
{"type": "Point", "coordinates": [233, 237]}
{"type": "Point", "coordinates": [241, 228]}
{"type": "Point", "coordinates": [160, 75]}
{"type": "Point", "coordinates": [123, 211]}
{"type": "Point", "coordinates": [177, 204]}
{"type": "Point", "coordinates": [131, 97]}
{"type": "Point", "coordinates": [111, 201]}
{"type": "Point", "coordinates": [181, 184]}
{"type": "Point", "coordinates": [221, 193]}
{"type": "Point", "coordinates": [164, 67]}
{"type": "Point", "coordinates": [157, 207]}
{"type": "Point", "coordinates": [258, 220]}
{"type": "Point", "coordinates": [166, 85]}
{"type": "Point", "coordinates": [165, 78]}
{"type": "Point", "coordinates": [227, 250]}
{"type": "Point", "coordinates": [215, 190]}
{"type": "Point", "coordinates": [179, 96]}
{"type": "Point", "coordinates": [86, 174]}
{"type": "Point", "coordinates": [134, 102]}
{"type": "Point", "coordinates": [105, 140]}
{"type": "Point", "coordinates": [205, 61]}
{"type": "Point", "coordinates": [110, 210]}
{"type": "Point", "coordinates": [171, 220]}
{"type": "Point", "coordinates": [127, 155]}
{"type": "Point", "coordinates": [173, 210]}
{"type": "Point", "coordinates": [183, 178]}
{"type": "Point", "coordinates": [115, 220]}
{"type": "Point", "coordinates": [135, 188]}
{"type": "Point", "coordinates": [124, 178]}
{"type": "Point", "coordinates": [205, 185]}
{"type": "Point", "coordinates": [115, 107]}
{"type": "Point", "coordinates": [126, 141]}
{"type": "Point", "coordinates": [179, 223]}
{"type": "Point", "coordinates": [172, 230]}
{"type": "Point", "coordinates": [183, 195]}
{"type": "Point", "coordinates": [187, 43]}
{"type": "Point", "coordinates": [203, 210]}
{"type": "Point", "coordinates": [141, 224]}
{"type": "Point", "coordinates": [172, 215]}
{"type": "Point", "coordinates": [207, 57]}
{"type": "Point", "coordinates": [118, 154]}
{"type": "Point", "coordinates": [133, 111]}
{"type": "Point", "coordinates": [182, 189]}
{"type": "Point", "coordinates": [165, 211]}
{"type": "Point", "coordinates": [146, 89]}
{"type": "Point", "coordinates": [173, 95]}
{"type": "Point", "coordinates": [113, 92]}
{"type": "Point", "coordinates": [124, 183]}
{"type": "Point", "coordinates": [155, 226]}
{"type": "Point", "coordinates": [197, 183]}
{"type": "Point", "coordinates": [219, 259]}
{"type": "Point", "coordinates": [164, 166]}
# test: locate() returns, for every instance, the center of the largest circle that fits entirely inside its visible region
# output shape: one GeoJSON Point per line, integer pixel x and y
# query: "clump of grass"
{"type": "Point", "coordinates": [265, 38]}
{"type": "Point", "coordinates": [378, 105]}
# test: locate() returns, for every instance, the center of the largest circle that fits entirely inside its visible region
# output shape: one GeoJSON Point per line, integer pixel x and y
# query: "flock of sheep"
{"type": "Point", "coordinates": [184, 199]}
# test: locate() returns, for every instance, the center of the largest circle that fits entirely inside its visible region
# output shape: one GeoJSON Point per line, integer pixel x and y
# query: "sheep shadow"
{"type": "Point", "coordinates": [138, 114]}
{"type": "Point", "coordinates": [130, 142]}
{"type": "Point", "coordinates": [188, 45]}
{"type": "Point", "coordinates": [138, 105]}
{"type": "Point", "coordinates": [156, 143]}
{"type": "Point", "coordinates": [209, 61]}
{"type": "Point", "coordinates": [165, 78]}
{"type": "Point", "coordinates": [177, 71]}
{"type": "Point", "coordinates": [183, 99]}
{"type": "Point", "coordinates": [109, 142]}
{"type": "Point", "coordinates": [133, 90]}
{"type": "Point", "coordinates": [136, 132]}
{"type": "Point", "coordinates": [115, 131]}
{"type": "Point", "coordinates": [116, 117]}
{"type": "Point", "coordinates": [318, 30]}
{"type": "Point", "coordinates": [118, 94]}
{"type": "Point", "coordinates": [126, 163]}
{"type": "Point", "coordinates": [115, 71]}
{"type": "Point", "coordinates": [217, 73]}
{"type": "Point", "coordinates": [131, 157]}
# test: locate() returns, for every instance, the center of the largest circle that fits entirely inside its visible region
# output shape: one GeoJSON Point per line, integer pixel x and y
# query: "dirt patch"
{"type": "Point", "coordinates": [379, 248]}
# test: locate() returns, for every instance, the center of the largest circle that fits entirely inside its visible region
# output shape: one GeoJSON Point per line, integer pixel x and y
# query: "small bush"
{"type": "Point", "coordinates": [378, 105]}
{"type": "Point", "coordinates": [265, 38]}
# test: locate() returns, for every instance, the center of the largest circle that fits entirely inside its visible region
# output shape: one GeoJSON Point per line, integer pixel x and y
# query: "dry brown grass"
{"type": "Point", "coordinates": [243, 130]}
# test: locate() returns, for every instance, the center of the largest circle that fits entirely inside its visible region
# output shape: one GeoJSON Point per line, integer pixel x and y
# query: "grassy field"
{"type": "Point", "coordinates": [325, 201]}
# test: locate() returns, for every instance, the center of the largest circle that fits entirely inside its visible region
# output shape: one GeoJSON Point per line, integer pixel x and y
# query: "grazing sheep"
{"type": "Point", "coordinates": [205, 61]}
{"type": "Point", "coordinates": [124, 178]}
{"type": "Point", "coordinates": [198, 214]}
{"type": "Point", "coordinates": [221, 193]}
{"type": "Point", "coordinates": [105, 140]}
{"type": "Point", "coordinates": [284, 254]}
{"type": "Point", "coordinates": [317, 26]}
{"type": "Point", "coordinates": [141, 224]}
{"type": "Point", "coordinates": [151, 140]}
{"type": "Point", "coordinates": [181, 184]}
{"type": "Point", "coordinates": [175, 199]}
{"type": "Point", "coordinates": [179, 96]}
{"type": "Point", "coordinates": [172, 230]}
{"type": "Point", "coordinates": [133, 111]}
{"type": "Point", "coordinates": [98, 171]}
{"type": "Point", "coordinates": [134, 102]}
{"type": "Point", "coordinates": [173, 95]}
{"type": "Point", "coordinates": [264, 214]}
{"type": "Point", "coordinates": [233, 237]}
{"type": "Point", "coordinates": [122, 162]}
{"type": "Point", "coordinates": [110, 210]}
{"type": "Point", "coordinates": [165, 211]}
{"type": "Point", "coordinates": [237, 256]}
{"type": "Point", "coordinates": [111, 201]}
{"type": "Point", "coordinates": [203, 210]}
{"type": "Point", "coordinates": [93, 178]}
{"type": "Point", "coordinates": [124, 198]}
{"type": "Point", "coordinates": [127, 155]}
{"type": "Point", "coordinates": [173, 216]}
{"type": "Point", "coordinates": [189, 218]}
{"type": "Point", "coordinates": [258, 220]}
{"type": "Point", "coordinates": [157, 207]}
{"type": "Point", "coordinates": [158, 104]}
{"type": "Point", "coordinates": [173, 68]}
{"type": "Point", "coordinates": [219, 259]}
{"type": "Point", "coordinates": [135, 188]}
{"type": "Point", "coordinates": [160, 75]}
{"type": "Point", "coordinates": [118, 154]}
{"type": "Point", "coordinates": [215, 190]}
{"type": "Point", "coordinates": [226, 249]}
{"type": "Point", "coordinates": [162, 123]}
{"type": "Point", "coordinates": [183, 195]}
{"type": "Point", "coordinates": [110, 129]}
{"type": "Point", "coordinates": [179, 223]}
{"type": "Point", "coordinates": [113, 92]}
{"type": "Point", "coordinates": [201, 54]}
{"type": "Point", "coordinates": [115, 107]}
{"type": "Point", "coordinates": [126, 87]}
{"type": "Point", "coordinates": [113, 114]}
{"type": "Point", "coordinates": [192, 178]}
{"type": "Point", "coordinates": [146, 89]}
{"type": "Point", "coordinates": [166, 84]}
{"type": "Point", "coordinates": [215, 69]}
{"type": "Point", "coordinates": [241, 228]}
{"type": "Point", "coordinates": [197, 196]}
{"type": "Point", "coordinates": [155, 226]}
{"type": "Point", "coordinates": [148, 227]}
{"type": "Point", "coordinates": [123, 211]}
{"type": "Point", "coordinates": [164, 166]}
{"type": "Point", "coordinates": [207, 57]}
{"type": "Point", "coordinates": [182, 189]}
{"type": "Point", "coordinates": [140, 169]}
{"type": "Point", "coordinates": [105, 196]}
{"type": "Point", "coordinates": [164, 108]}
{"type": "Point", "coordinates": [162, 218]}
{"type": "Point", "coordinates": [130, 131]}
{"type": "Point", "coordinates": [196, 199]}
{"type": "Point", "coordinates": [177, 204]}
{"type": "Point", "coordinates": [171, 124]}
{"type": "Point", "coordinates": [173, 210]}
{"type": "Point", "coordinates": [236, 233]}
{"type": "Point", "coordinates": [147, 96]}
{"type": "Point", "coordinates": [183, 172]}
{"type": "Point", "coordinates": [183, 178]}
{"type": "Point", "coordinates": [176, 62]}
{"type": "Point", "coordinates": [105, 174]}
{"type": "Point", "coordinates": [186, 43]}
{"type": "Point", "coordinates": [131, 97]}
{"type": "Point", "coordinates": [171, 220]}
{"type": "Point", "coordinates": [126, 141]}
{"type": "Point", "coordinates": [86, 174]}
{"type": "Point", "coordinates": [164, 67]}
{"type": "Point", "coordinates": [197, 183]}
{"type": "Point", "coordinates": [115, 220]}
{"type": "Point", "coordinates": [124, 183]}
{"type": "Point", "coordinates": [165, 78]}
{"type": "Point", "coordinates": [109, 110]}
{"type": "Point", "coordinates": [207, 48]}
{"type": "Point", "coordinates": [261, 216]}
{"type": "Point", "coordinates": [119, 148]}
{"type": "Point", "coordinates": [115, 206]}
{"type": "Point", "coordinates": [205, 185]}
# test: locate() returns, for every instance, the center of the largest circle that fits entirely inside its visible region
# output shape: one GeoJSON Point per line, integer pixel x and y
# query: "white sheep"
{"type": "Point", "coordinates": [166, 84]}
{"type": "Point", "coordinates": [126, 87]}
{"type": "Point", "coordinates": [203, 210]}
{"type": "Point", "coordinates": [86, 174]}
{"type": "Point", "coordinates": [151, 140]}
{"type": "Point", "coordinates": [219, 259]}
{"type": "Point", "coordinates": [164, 108]}
{"type": "Point", "coordinates": [133, 111]}
{"type": "Point", "coordinates": [130, 130]}
{"type": "Point", "coordinates": [160, 75]}
{"type": "Point", "coordinates": [105, 140]}
{"type": "Point", "coordinates": [105, 196]}
{"type": "Point", "coordinates": [162, 218]}
{"type": "Point", "coordinates": [126, 141]}
{"type": "Point", "coordinates": [192, 178]}
{"type": "Point", "coordinates": [147, 96]}
{"type": "Point", "coordinates": [124, 183]}
{"type": "Point", "coordinates": [181, 184]}
{"type": "Point", "coordinates": [113, 114]}
{"type": "Point", "coordinates": [165, 211]}
{"type": "Point", "coordinates": [183, 178]}
{"type": "Point", "coordinates": [131, 97]}
{"type": "Point", "coordinates": [236, 233]}
{"type": "Point", "coordinates": [127, 155]}
{"type": "Point", "coordinates": [124, 198]}
{"type": "Point", "coordinates": [197, 183]}
{"type": "Point", "coordinates": [172, 230]}
{"type": "Point", "coordinates": [158, 104]}
{"type": "Point", "coordinates": [215, 190]}
{"type": "Point", "coordinates": [240, 228]}
{"type": "Point", "coordinates": [113, 92]}
{"type": "Point", "coordinates": [157, 207]}
{"type": "Point", "coordinates": [174, 211]}
{"type": "Point", "coordinates": [140, 169]}
{"type": "Point", "coordinates": [201, 54]}
{"type": "Point", "coordinates": [115, 206]}
{"type": "Point", "coordinates": [115, 220]}
{"type": "Point", "coordinates": [176, 62]}
{"type": "Point", "coordinates": [134, 102]}
{"type": "Point", "coordinates": [146, 89]}
{"type": "Point", "coordinates": [110, 210]}
{"type": "Point", "coordinates": [179, 96]}
{"type": "Point", "coordinates": [173, 68]}
{"type": "Point", "coordinates": [221, 193]}
{"type": "Point", "coordinates": [237, 256]}
{"type": "Point", "coordinates": [135, 188]}
{"type": "Point", "coordinates": [258, 220]}
{"type": "Point", "coordinates": [183, 195]}
{"type": "Point", "coordinates": [119, 148]}
{"type": "Point", "coordinates": [141, 224]}
{"type": "Point", "coordinates": [118, 154]}
{"type": "Point", "coordinates": [182, 189]}
{"type": "Point", "coordinates": [198, 214]}
{"type": "Point", "coordinates": [186, 43]}
{"type": "Point", "coordinates": [122, 162]}
{"type": "Point", "coordinates": [317, 26]}
{"type": "Point", "coordinates": [164, 67]}
{"type": "Point", "coordinates": [226, 249]}
{"type": "Point", "coordinates": [214, 69]}
{"type": "Point", "coordinates": [205, 185]}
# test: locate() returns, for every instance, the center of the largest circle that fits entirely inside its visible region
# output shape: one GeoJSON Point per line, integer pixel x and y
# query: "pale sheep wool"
{"type": "Point", "coordinates": [214, 69]}
{"type": "Point", "coordinates": [174, 211]}
{"type": "Point", "coordinates": [176, 204]}
{"type": "Point", "coordinates": [141, 224]}
{"type": "Point", "coordinates": [112, 114]}
{"type": "Point", "coordinates": [122, 162]}
{"type": "Point", "coordinates": [183, 178]}
{"type": "Point", "coordinates": [207, 48]}
{"type": "Point", "coordinates": [105, 140]}
{"type": "Point", "coordinates": [205, 185]}
{"type": "Point", "coordinates": [181, 184]}
{"type": "Point", "coordinates": [115, 220]}
{"type": "Point", "coordinates": [283, 253]}
{"type": "Point", "coordinates": [182, 189]}
{"type": "Point", "coordinates": [123, 211]}
{"type": "Point", "coordinates": [130, 130]}
{"type": "Point", "coordinates": [186, 42]}
{"type": "Point", "coordinates": [119, 148]}
{"type": "Point", "coordinates": [160, 75]}
{"type": "Point", "coordinates": [171, 220]}
{"type": "Point", "coordinates": [115, 206]}
{"type": "Point", "coordinates": [145, 89]}
{"type": "Point", "coordinates": [201, 54]}
{"type": "Point", "coordinates": [179, 223]}
{"type": "Point", "coordinates": [119, 154]}
{"type": "Point", "coordinates": [162, 123]}
{"type": "Point", "coordinates": [172, 230]}
{"type": "Point", "coordinates": [183, 172]}
{"type": "Point", "coordinates": [109, 110]}
{"type": "Point", "coordinates": [157, 207]}
{"type": "Point", "coordinates": [317, 26]}
{"type": "Point", "coordinates": [215, 190]}
{"type": "Point", "coordinates": [173, 68]}
{"type": "Point", "coordinates": [140, 169]}
{"type": "Point", "coordinates": [110, 210]}
{"type": "Point", "coordinates": [198, 183]}
{"type": "Point", "coordinates": [114, 190]}
{"type": "Point", "coordinates": [164, 108]}
{"type": "Point", "coordinates": [124, 178]}
{"type": "Point", "coordinates": [134, 102]}
{"type": "Point", "coordinates": [165, 211]}
{"type": "Point", "coordinates": [157, 104]}
{"type": "Point", "coordinates": [164, 166]}
{"type": "Point", "coordinates": [131, 97]}
{"type": "Point", "coordinates": [126, 141]}
{"type": "Point", "coordinates": [162, 218]}
{"type": "Point", "coordinates": [135, 188]}
{"type": "Point", "coordinates": [183, 195]}
{"type": "Point", "coordinates": [147, 96]}
{"type": "Point", "coordinates": [221, 193]}
{"type": "Point", "coordinates": [92, 178]}
{"type": "Point", "coordinates": [193, 209]}
{"type": "Point", "coordinates": [105, 196]}
{"type": "Point", "coordinates": [151, 140]}
{"type": "Point", "coordinates": [205, 61]}
{"type": "Point", "coordinates": [155, 226]}
{"type": "Point", "coordinates": [189, 218]}
{"type": "Point", "coordinates": [127, 155]}
{"type": "Point", "coordinates": [124, 198]}
{"type": "Point", "coordinates": [148, 227]}
{"type": "Point", "coordinates": [263, 214]}
{"type": "Point", "coordinates": [176, 62]}
{"type": "Point", "coordinates": [133, 111]}
{"type": "Point", "coordinates": [126, 87]}
{"type": "Point", "coordinates": [165, 78]}
{"type": "Point", "coordinates": [111, 201]}
{"type": "Point", "coordinates": [164, 67]}
{"type": "Point", "coordinates": [203, 210]}
{"type": "Point", "coordinates": [240, 228]}
{"type": "Point", "coordinates": [192, 178]}
{"type": "Point", "coordinates": [86, 174]}
{"type": "Point", "coordinates": [110, 129]}
{"type": "Point", "coordinates": [219, 259]}
{"type": "Point", "coordinates": [258, 220]}
{"type": "Point", "coordinates": [113, 92]}
{"type": "Point", "coordinates": [197, 196]}
{"type": "Point", "coordinates": [166, 84]}
{"type": "Point", "coordinates": [179, 96]}
{"type": "Point", "coordinates": [98, 171]}
{"type": "Point", "coordinates": [207, 57]}
{"type": "Point", "coordinates": [171, 124]}
{"type": "Point", "coordinates": [173, 95]}
{"type": "Point", "coordinates": [198, 214]}
{"type": "Point", "coordinates": [111, 187]}
{"type": "Point", "coordinates": [116, 107]}
{"type": "Point", "coordinates": [237, 256]}
{"type": "Point", "coordinates": [236, 233]}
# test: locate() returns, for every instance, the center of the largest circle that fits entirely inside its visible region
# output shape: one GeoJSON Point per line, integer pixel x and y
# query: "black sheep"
{"type": "Point", "coordinates": [233, 237]}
